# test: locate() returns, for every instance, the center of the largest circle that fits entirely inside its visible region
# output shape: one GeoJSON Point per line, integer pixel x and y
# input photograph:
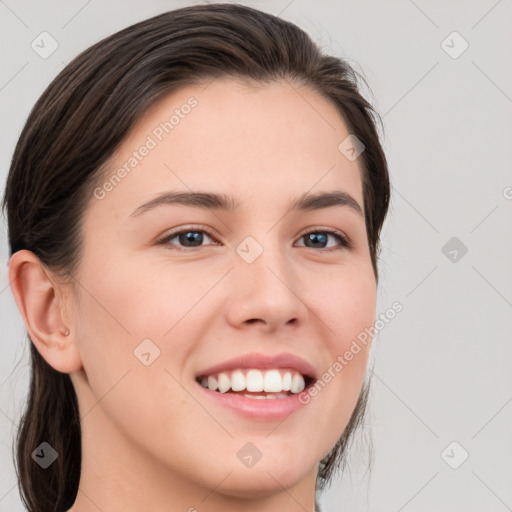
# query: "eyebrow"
{"type": "Point", "coordinates": [214, 201]}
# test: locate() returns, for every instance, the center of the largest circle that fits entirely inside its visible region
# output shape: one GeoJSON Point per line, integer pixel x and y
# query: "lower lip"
{"type": "Point", "coordinates": [265, 409]}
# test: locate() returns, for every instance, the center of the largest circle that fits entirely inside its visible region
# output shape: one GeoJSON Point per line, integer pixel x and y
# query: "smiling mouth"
{"type": "Point", "coordinates": [256, 383]}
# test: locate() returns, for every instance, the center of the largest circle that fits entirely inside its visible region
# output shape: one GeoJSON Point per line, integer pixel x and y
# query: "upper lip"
{"type": "Point", "coordinates": [263, 362]}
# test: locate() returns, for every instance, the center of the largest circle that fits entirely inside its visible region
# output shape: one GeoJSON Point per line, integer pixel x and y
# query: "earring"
{"type": "Point", "coordinates": [66, 332]}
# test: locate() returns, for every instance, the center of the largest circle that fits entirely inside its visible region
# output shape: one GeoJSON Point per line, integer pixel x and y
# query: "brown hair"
{"type": "Point", "coordinates": [78, 123]}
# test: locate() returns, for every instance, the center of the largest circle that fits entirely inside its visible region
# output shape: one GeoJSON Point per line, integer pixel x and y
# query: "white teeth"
{"type": "Point", "coordinates": [224, 382]}
{"type": "Point", "coordinates": [212, 383]}
{"type": "Point", "coordinates": [287, 381]}
{"type": "Point", "coordinates": [237, 381]}
{"type": "Point", "coordinates": [256, 381]}
{"type": "Point", "coordinates": [272, 381]}
{"type": "Point", "coordinates": [298, 383]}
{"type": "Point", "coordinates": [268, 397]}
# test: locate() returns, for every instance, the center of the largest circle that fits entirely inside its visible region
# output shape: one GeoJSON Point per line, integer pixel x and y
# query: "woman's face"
{"type": "Point", "coordinates": [158, 311]}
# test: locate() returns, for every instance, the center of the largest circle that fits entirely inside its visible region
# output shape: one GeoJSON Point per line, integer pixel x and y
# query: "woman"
{"type": "Point", "coordinates": [194, 209]}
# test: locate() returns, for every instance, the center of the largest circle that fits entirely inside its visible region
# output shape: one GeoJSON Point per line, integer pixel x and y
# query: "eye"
{"type": "Point", "coordinates": [321, 236]}
{"type": "Point", "coordinates": [193, 236]}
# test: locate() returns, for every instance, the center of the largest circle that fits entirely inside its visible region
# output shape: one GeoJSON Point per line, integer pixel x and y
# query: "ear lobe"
{"type": "Point", "coordinates": [37, 298]}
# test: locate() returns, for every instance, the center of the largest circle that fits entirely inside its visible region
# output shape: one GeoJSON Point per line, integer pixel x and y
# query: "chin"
{"type": "Point", "coordinates": [264, 481]}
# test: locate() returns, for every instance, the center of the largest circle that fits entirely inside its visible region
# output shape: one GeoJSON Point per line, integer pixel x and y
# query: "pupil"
{"type": "Point", "coordinates": [192, 236]}
{"type": "Point", "coordinates": [314, 237]}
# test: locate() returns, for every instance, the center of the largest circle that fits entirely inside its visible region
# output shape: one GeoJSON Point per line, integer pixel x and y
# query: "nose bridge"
{"type": "Point", "coordinates": [264, 253]}
{"type": "Point", "coordinates": [264, 278]}
{"type": "Point", "coordinates": [270, 270]}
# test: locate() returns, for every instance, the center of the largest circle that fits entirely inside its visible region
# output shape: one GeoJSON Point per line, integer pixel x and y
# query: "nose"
{"type": "Point", "coordinates": [264, 293]}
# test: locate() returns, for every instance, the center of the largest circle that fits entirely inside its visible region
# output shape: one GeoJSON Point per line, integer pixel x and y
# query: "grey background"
{"type": "Point", "coordinates": [442, 366]}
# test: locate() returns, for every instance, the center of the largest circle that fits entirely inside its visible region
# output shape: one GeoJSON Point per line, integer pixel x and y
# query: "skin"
{"type": "Point", "coordinates": [151, 440]}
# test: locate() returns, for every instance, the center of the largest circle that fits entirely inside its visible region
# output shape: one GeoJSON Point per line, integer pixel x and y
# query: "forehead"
{"type": "Point", "coordinates": [264, 142]}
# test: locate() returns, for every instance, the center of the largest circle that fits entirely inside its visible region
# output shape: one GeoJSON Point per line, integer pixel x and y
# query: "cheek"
{"type": "Point", "coordinates": [113, 322]}
{"type": "Point", "coordinates": [130, 304]}
{"type": "Point", "coordinates": [149, 298]}
{"type": "Point", "coordinates": [119, 316]}
{"type": "Point", "coordinates": [345, 301]}
{"type": "Point", "coordinates": [347, 310]}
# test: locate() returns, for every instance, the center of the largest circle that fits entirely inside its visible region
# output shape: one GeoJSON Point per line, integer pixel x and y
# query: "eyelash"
{"type": "Point", "coordinates": [342, 239]}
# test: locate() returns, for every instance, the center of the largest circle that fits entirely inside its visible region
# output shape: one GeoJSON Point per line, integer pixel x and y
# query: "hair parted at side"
{"type": "Point", "coordinates": [76, 126]}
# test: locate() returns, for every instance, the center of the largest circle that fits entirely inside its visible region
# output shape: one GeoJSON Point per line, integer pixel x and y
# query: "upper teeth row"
{"type": "Point", "coordinates": [255, 380]}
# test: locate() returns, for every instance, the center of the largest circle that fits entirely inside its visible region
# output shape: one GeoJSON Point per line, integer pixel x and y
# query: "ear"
{"type": "Point", "coordinates": [43, 310]}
